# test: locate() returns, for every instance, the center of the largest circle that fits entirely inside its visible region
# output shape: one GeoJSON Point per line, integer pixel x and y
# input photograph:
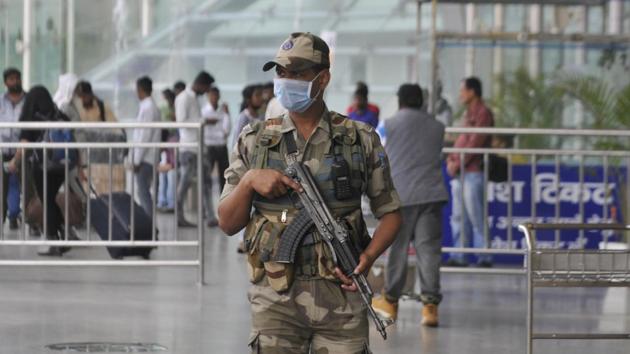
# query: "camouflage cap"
{"type": "Point", "coordinates": [301, 51]}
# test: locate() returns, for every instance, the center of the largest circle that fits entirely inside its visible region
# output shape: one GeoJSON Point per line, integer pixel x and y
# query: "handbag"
{"type": "Point", "coordinates": [497, 168]}
{"type": "Point", "coordinates": [76, 210]}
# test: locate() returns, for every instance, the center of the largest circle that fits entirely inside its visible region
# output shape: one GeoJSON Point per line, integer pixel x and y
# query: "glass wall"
{"type": "Point", "coordinates": [372, 40]}
{"type": "Point", "coordinates": [11, 39]}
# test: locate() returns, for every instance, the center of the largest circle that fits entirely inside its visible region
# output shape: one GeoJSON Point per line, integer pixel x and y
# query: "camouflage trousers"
{"type": "Point", "coordinates": [314, 316]}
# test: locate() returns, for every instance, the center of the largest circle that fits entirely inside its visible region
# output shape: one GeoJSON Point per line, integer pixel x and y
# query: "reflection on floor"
{"type": "Point", "coordinates": [480, 314]}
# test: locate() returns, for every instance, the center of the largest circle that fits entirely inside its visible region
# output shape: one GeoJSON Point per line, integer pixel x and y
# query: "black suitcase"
{"type": "Point", "coordinates": [121, 224]}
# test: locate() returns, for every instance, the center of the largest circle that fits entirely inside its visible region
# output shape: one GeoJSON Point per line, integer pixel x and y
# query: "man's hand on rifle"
{"type": "Point", "coordinates": [271, 183]}
{"type": "Point", "coordinates": [364, 266]}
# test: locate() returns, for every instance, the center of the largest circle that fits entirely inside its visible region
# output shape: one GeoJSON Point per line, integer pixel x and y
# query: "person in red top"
{"type": "Point", "coordinates": [361, 110]}
{"type": "Point", "coordinates": [467, 213]}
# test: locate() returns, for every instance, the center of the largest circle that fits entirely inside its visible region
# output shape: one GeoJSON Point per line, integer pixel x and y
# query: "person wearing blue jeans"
{"type": "Point", "coordinates": [167, 168]}
{"type": "Point", "coordinates": [467, 222]}
{"type": "Point", "coordinates": [166, 194]}
{"type": "Point", "coordinates": [14, 200]}
{"type": "Point", "coordinates": [467, 217]}
{"type": "Point", "coordinates": [11, 105]}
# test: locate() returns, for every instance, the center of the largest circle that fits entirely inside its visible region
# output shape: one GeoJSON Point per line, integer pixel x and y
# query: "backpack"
{"type": "Point", "coordinates": [58, 156]}
{"type": "Point", "coordinates": [56, 159]}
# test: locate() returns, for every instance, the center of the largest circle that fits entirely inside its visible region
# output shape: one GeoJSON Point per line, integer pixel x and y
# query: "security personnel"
{"type": "Point", "coordinates": [308, 305]}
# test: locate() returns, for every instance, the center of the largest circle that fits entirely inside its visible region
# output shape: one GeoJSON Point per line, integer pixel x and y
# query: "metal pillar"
{"type": "Point", "coordinates": [26, 40]}
{"type": "Point", "coordinates": [297, 20]}
{"type": "Point", "coordinates": [497, 51]}
{"type": "Point", "coordinates": [580, 51]}
{"type": "Point", "coordinates": [415, 75]}
{"type": "Point", "coordinates": [201, 279]}
{"type": "Point", "coordinates": [470, 49]}
{"type": "Point", "coordinates": [580, 60]}
{"type": "Point", "coordinates": [434, 62]}
{"type": "Point", "coordinates": [70, 15]}
{"type": "Point", "coordinates": [146, 17]}
{"type": "Point", "coordinates": [535, 26]}
{"type": "Point", "coordinates": [6, 36]}
{"type": "Point", "coordinates": [615, 16]}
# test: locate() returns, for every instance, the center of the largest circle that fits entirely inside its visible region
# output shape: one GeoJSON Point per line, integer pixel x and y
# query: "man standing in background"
{"type": "Point", "coordinates": [86, 106]}
{"type": "Point", "coordinates": [252, 101]}
{"type": "Point", "coordinates": [166, 183]}
{"type": "Point", "coordinates": [89, 107]}
{"type": "Point", "coordinates": [10, 110]}
{"type": "Point", "coordinates": [217, 131]}
{"type": "Point", "coordinates": [144, 159]}
{"type": "Point", "coordinates": [188, 110]}
{"type": "Point", "coordinates": [267, 95]}
{"type": "Point", "coordinates": [361, 110]}
{"type": "Point", "coordinates": [179, 87]}
{"type": "Point", "coordinates": [443, 110]}
{"type": "Point", "coordinates": [467, 217]}
{"type": "Point", "coordinates": [414, 147]}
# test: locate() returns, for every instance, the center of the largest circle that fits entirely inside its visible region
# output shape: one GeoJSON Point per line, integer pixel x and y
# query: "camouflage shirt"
{"type": "Point", "coordinates": [380, 189]}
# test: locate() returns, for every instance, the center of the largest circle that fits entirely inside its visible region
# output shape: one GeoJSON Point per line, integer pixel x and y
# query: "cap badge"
{"type": "Point", "coordinates": [287, 45]}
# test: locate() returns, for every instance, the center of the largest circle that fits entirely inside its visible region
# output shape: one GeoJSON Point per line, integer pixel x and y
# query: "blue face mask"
{"type": "Point", "coordinates": [294, 95]}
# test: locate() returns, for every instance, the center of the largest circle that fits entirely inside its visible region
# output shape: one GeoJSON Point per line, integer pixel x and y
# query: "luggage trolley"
{"type": "Point", "coordinates": [556, 267]}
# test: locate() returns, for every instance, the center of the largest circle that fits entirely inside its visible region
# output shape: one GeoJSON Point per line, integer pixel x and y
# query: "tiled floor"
{"type": "Point", "coordinates": [480, 314]}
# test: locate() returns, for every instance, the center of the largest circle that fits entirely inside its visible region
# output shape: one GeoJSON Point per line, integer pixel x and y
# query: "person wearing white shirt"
{"type": "Point", "coordinates": [217, 130]}
{"type": "Point", "coordinates": [187, 109]}
{"type": "Point", "coordinates": [166, 182]}
{"type": "Point", "coordinates": [144, 159]}
{"type": "Point", "coordinates": [11, 104]}
{"type": "Point", "coordinates": [252, 101]}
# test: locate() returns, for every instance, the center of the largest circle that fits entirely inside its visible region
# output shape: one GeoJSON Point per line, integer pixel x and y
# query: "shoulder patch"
{"type": "Point", "coordinates": [247, 130]}
{"type": "Point", "coordinates": [269, 132]}
{"type": "Point", "coordinates": [362, 126]}
{"type": "Point", "coordinates": [337, 118]}
{"type": "Point", "coordinates": [252, 128]}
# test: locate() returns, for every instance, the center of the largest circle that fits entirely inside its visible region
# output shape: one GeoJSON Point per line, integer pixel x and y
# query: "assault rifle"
{"type": "Point", "coordinates": [336, 235]}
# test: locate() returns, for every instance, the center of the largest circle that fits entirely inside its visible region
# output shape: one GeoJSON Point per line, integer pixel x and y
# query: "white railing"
{"type": "Point", "coordinates": [165, 240]}
{"type": "Point", "coordinates": [555, 157]}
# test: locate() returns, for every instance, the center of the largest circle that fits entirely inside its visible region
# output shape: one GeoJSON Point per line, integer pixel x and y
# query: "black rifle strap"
{"type": "Point", "coordinates": [290, 141]}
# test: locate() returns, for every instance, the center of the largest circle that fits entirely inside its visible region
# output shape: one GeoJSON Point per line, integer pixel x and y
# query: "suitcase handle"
{"type": "Point", "coordinates": [92, 190]}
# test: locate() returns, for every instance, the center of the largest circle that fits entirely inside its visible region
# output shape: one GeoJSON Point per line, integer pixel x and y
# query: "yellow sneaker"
{"type": "Point", "coordinates": [430, 315]}
{"type": "Point", "coordinates": [384, 308]}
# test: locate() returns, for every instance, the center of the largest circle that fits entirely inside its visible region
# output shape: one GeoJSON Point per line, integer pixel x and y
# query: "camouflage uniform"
{"type": "Point", "coordinates": [302, 306]}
